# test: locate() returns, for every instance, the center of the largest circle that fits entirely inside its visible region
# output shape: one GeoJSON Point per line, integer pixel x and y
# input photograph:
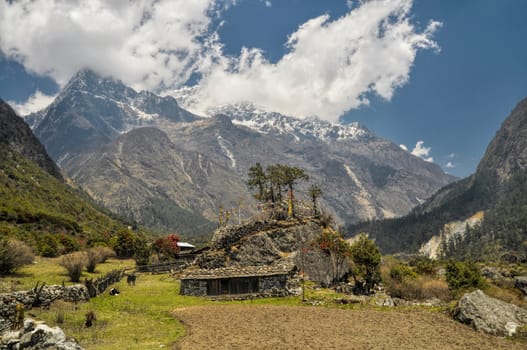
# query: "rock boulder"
{"type": "Point", "coordinates": [35, 335]}
{"type": "Point", "coordinates": [490, 315]}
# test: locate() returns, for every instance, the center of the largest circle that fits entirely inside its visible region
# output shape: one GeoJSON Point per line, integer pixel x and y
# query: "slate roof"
{"type": "Point", "coordinates": [232, 272]}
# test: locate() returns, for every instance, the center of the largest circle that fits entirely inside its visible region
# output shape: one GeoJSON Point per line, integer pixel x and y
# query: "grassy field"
{"type": "Point", "coordinates": [138, 318]}
{"type": "Point", "coordinates": [153, 315]}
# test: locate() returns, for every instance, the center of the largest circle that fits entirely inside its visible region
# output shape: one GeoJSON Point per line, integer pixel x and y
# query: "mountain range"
{"type": "Point", "coordinates": [145, 157]}
{"type": "Point", "coordinates": [480, 217]}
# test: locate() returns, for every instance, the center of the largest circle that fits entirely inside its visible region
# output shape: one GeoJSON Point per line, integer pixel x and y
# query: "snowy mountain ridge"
{"type": "Point", "coordinates": [260, 120]}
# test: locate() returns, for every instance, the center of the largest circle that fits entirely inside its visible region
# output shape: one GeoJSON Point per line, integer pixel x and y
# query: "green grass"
{"type": "Point", "coordinates": [140, 317]}
{"type": "Point", "coordinates": [48, 270]}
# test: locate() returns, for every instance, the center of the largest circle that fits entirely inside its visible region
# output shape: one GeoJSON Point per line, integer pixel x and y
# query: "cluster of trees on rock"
{"type": "Point", "coordinates": [276, 179]}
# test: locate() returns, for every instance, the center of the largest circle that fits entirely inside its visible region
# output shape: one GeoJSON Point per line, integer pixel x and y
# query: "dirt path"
{"type": "Point", "coordinates": [282, 327]}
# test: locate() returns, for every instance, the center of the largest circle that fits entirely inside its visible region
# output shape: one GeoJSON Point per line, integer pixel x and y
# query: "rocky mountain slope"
{"type": "Point", "coordinates": [499, 187]}
{"type": "Point", "coordinates": [16, 134]}
{"type": "Point", "coordinates": [95, 130]}
{"type": "Point", "coordinates": [40, 208]}
{"type": "Point", "coordinates": [92, 111]}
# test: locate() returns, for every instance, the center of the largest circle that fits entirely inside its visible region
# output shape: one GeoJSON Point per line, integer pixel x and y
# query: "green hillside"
{"type": "Point", "coordinates": [46, 213]}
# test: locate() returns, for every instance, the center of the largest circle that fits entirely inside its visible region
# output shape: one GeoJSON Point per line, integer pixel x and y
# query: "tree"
{"type": "Point", "coordinates": [275, 178]}
{"type": "Point", "coordinates": [314, 192]}
{"type": "Point", "coordinates": [366, 257]}
{"type": "Point", "coordinates": [290, 177]}
{"type": "Point", "coordinates": [333, 244]}
{"type": "Point", "coordinates": [463, 275]}
{"type": "Point", "coordinates": [258, 180]}
{"type": "Point", "coordinates": [167, 246]}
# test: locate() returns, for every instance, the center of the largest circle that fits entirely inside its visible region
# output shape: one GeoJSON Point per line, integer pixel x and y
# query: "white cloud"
{"type": "Point", "coordinates": [34, 103]}
{"type": "Point", "coordinates": [451, 155]}
{"type": "Point", "coordinates": [332, 65]}
{"type": "Point", "coordinates": [330, 68]}
{"type": "Point", "coordinates": [422, 152]}
{"type": "Point", "coordinates": [145, 43]}
{"type": "Point", "coordinates": [404, 147]}
{"type": "Point", "coordinates": [268, 3]}
{"type": "Point", "coordinates": [450, 165]}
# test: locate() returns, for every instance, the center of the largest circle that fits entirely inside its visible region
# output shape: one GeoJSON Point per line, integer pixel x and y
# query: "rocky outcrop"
{"type": "Point", "coordinates": [490, 315]}
{"type": "Point", "coordinates": [451, 232]}
{"type": "Point", "coordinates": [520, 282]}
{"type": "Point", "coordinates": [35, 335]}
{"type": "Point", "coordinates": [270, 243]}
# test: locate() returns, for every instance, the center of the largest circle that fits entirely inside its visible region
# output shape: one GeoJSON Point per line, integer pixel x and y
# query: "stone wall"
{"type": "Point", "coordinates": [41, 296]}
{"type": "Point", "coordinates": [273, 285]}
{"type": "Point", "coordinates": [193, 287]}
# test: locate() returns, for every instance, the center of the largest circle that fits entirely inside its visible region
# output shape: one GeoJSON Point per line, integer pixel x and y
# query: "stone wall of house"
{"type": "Point", "coordinates": [41, 296]}
{"type": "Point", "coordinates": [275, 285]}
{"type": "Point", "coordinates": [193, 287]}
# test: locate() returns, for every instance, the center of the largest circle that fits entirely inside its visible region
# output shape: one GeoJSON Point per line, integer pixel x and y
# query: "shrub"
{"type": "Point", "coordinates": [74, 263]}
{"type": "Point", "coordinates": [420, 288]}
{"type": "Point", "coordinates": [463, 275]}
{"type": "Point", "coordinates": [401, 281]}
{"type": "Point", "coordinates": [105, 253]}
{"type": "Point", "coordinates": [14, 254]}
{"type": "Point", "coordinates": [97, 255]}
{"type": "Point", "coordinates": [69, 245]}
{"type": "Point", "coordinates": [401, 272]}
{"type": "Point", "coordinates": [48, 245]}
{"type": "Point", "coordinates": [423, 265]}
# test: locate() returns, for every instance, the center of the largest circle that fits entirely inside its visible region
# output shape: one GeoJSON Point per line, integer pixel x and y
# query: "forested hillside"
{"type": "Point", "coordinates": [499, 187]}
{"type": "Point", "coordinates": [53, 217]}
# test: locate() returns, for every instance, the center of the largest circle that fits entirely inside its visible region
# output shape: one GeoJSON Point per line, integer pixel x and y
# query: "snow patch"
{"type": "Point", "coordinates": [185, 172]}
{"type": "Point", "coordinates": [223, 144]}
{"type": "Point", "coordinates": [260, 120]}
{"type": "Point", "coordinates": [363, 196]}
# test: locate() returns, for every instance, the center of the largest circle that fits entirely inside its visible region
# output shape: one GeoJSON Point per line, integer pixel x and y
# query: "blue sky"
{"type": "Point", "coordinates": [451, 91]}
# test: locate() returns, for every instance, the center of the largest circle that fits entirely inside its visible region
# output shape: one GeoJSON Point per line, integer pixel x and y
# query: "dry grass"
{"type": "Point", "coordinates": [293, 327]}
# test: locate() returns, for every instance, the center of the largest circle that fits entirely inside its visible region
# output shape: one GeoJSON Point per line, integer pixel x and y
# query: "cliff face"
{"type": "Point", "coordinates": [507, 152]}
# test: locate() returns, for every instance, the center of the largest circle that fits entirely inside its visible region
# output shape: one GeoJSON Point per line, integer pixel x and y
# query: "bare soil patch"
{"type": "Point", "coordinates": [288, 327]}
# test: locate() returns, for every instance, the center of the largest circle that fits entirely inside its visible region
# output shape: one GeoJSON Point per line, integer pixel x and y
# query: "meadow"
{"type": "Point", "coordinates": [152, 314]}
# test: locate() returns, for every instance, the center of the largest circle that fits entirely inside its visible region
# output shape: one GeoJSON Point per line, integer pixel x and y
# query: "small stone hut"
{"type": "Point", "coordinates": [275, 280]}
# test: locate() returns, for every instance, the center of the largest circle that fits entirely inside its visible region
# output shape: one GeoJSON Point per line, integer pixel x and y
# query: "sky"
{"type": "Point", "coordinates": [437, 77]}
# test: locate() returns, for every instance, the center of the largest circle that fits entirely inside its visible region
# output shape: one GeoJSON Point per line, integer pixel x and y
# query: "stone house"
{"type": "Point", "coordinates": [276, 280]}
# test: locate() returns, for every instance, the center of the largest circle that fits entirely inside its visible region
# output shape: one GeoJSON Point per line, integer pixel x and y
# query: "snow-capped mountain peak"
{"type": "Point", "coordinates": [258, 119]}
